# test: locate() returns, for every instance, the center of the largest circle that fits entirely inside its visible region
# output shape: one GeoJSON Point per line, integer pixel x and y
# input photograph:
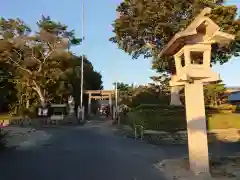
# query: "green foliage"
{"type": "Point", "coordinates": [161, 82]}
{"type": "Point", "coordinates": [133, 96]}
{"type": "Point", "coordinates": [2, 139]}
{"type": "Point", "coordinates": [164, 118]}
{"type": "Point", "coordinates": [122, 86]}
{"type": "Point", "coordinates": [148, 97]}
{"type": "Point", "coordinates": [159, 106]}
{"type": "Point", "coordinates": [214, 94]}
{"type": "Point", "coordinates": [92, 80]}
{"type": "Point", "coordinates": [7, 89]}
{"type": "Point", "coordinates": [41, 64]}
{"type": "Point", "coordinates": [125, 92]}
{"type": "Point", "coordinates": [38, 58]}
{"type": "Point", "coordinates": [172, 118]}
{"type": "Point", "coordinates": [144, 27]}
{"type": "Point", "coordinates": [222, 109]}
{"type": "Point", "coordinates": [58, 29]}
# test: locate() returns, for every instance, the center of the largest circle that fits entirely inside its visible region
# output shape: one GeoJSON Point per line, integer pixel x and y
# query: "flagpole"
{"type": "Point", "coordinates": [82, 63]}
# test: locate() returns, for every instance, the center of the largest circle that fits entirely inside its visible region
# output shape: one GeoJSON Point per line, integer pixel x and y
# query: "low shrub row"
{"type": "Point", "coordinates": [164, 119]}
{"type": "Point", "coordinates": [221, 108]}
{"type": "Point", "coordinates": [172, 118]}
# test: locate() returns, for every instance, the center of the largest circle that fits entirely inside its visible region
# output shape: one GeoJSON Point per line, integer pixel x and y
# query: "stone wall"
{"type": "Point", "coordinates": [37, 121]}
{"type": "Point", "coordinates": [224, 135]}
{"type": "Point", "coordinates": [22, 137]}
{"type": "Point", "coordinates": [160, 137]}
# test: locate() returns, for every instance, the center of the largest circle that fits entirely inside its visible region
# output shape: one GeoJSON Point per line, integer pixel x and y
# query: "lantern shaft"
{"type": "Point", "coordinates": [196, 125]}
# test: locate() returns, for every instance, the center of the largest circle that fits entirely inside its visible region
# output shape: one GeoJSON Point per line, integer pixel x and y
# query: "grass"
{"type": "Point", "coordinates": [5, 117]}
{"type": "Point", "coordinates": [224, 121]}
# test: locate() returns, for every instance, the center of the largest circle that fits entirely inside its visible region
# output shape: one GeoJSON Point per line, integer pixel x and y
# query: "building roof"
{"type": "Point", "coordinates": [232, 89]}
{"type": "Point", "coordinates": [234, 96]}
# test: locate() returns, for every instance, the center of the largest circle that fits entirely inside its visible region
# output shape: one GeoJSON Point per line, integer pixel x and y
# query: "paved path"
{"type": "Point", "coordinates": [91, 152]}
{"type": "Point", "coordinates": [87, 153]}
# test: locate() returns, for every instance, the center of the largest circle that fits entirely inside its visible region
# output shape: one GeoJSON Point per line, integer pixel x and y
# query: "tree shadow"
{"type": "Point", "coordinates": [216, 144]}
{"type": "Point", "coordinates": [195, 125]}
{"type": "Point", "coordinates": [38, 122]}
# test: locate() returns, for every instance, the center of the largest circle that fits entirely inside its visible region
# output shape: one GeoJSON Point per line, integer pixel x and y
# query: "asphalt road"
{"type": "Point", "coordinates": [92, 152]}
{"type": "Point", "coordinates": [83, 153]}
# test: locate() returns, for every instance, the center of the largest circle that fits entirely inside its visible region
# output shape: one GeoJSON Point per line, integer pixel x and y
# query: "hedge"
{"type": "Point", "coordinates": [164, 119]}
{"type": "Point", "coordinates": [173, 118]}
{"type": "Point", "coordinates": [224, 107]}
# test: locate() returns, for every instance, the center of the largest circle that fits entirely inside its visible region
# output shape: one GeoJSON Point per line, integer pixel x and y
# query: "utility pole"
{"type": "Point", "coordinates": [116, 101]}
{"type": "Point", "coordinates": [81, 96]}
{"type": "Point", "coordinates": [116, 94]}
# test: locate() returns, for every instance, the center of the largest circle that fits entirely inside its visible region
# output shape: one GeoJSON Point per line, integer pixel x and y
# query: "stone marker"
{"type": "Point", "coordinates": [191, 49]}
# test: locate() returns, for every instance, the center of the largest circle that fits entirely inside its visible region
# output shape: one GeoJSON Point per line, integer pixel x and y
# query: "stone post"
{"type": "Point", "coordinates": [110, 103]}
{"type": "Point", "coordinates": [89, 103]}
{"type": "Point", "coordinates": [114, 113]}
{"type": "Point", "coordinates": [83, 113]}
{"type": "Point", "coordinates": [196, 128]}
{"type": "Point", "coordinates": [175, 96]}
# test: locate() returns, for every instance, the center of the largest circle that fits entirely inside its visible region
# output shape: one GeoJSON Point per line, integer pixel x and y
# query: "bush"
{"type": "Point", "coordinates": [159, 106]}
{"type": "Point", "coordinates": [147, 97]}
{"type": "Point", "coordinates": [2, 139]}
{"type": "Point", "coordinates": [32, 111]}
{"type": "Point", "coordinates": [165, 118]}
{"type": "Point", "coordinates": [225, 108]}
{"type": "Point", "coordinates": [173, 118]}
{"type": "Point", "coordinates": [124, 118]}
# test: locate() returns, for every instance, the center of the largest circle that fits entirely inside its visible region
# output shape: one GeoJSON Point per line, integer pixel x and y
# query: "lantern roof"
{"type": "Point", "coordinates": [202, 30]}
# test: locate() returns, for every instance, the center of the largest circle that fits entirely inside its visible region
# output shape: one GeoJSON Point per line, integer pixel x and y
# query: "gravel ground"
{"type": "Point", "coordinates": [90, 152]}
{"type": "Point", "coordinates": [20, 137]}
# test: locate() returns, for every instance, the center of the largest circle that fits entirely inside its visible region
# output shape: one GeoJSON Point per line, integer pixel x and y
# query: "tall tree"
{"type": "Point", "coordinates": [39, 57]}
{"type": "Point", "coordinates": [144, 27]}
{"type": "Point", "coordinates": [161, 82]}
{"type": "Point", "coordinates": [124, 92]}
{"type": "Point", "coordinates": [122, 86]}
{"type": "Point", "coordinates": [214, 93]}
{"type": "Point", "coordinates": [92, 80]}
{"type": "Point", "coordinates": [8, 93]}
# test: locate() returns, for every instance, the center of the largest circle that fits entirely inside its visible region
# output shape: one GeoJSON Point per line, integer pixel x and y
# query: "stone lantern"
{"type": "Point", "coordinates": [191, 49]}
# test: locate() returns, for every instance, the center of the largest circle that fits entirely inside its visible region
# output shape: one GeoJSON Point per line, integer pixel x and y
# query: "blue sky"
{"type": "Point", "coordinates": [106, 58]}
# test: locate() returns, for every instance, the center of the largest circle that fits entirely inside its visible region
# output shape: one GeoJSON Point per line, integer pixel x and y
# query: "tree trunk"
{"type": "Point", "coordinates": [175, 96]}
{"type": "Point", "coordinates": [40, 94]}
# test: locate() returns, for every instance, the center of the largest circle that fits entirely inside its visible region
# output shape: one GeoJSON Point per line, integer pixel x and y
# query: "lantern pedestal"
{"type": "Point", "coordinates": [196, 127]}
{"type": "Point", "coordinates": [192, 49]}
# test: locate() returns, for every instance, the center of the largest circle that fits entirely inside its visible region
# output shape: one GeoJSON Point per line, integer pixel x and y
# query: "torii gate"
{"type": "Point", "coordinates": [99, 95]}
